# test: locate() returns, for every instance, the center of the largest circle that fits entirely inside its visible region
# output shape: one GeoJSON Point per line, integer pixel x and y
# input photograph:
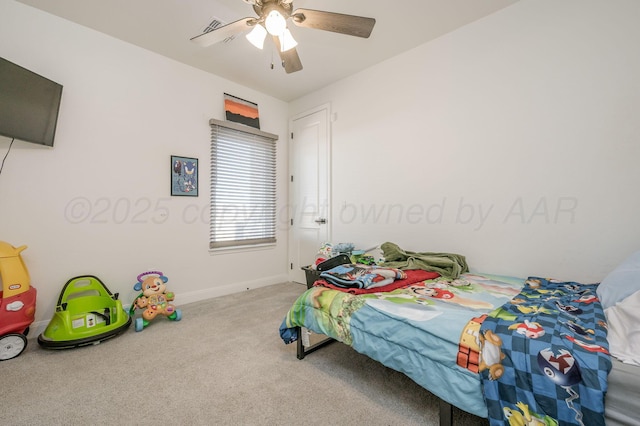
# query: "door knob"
{"type": "Point", "coordinates": [321, 221]}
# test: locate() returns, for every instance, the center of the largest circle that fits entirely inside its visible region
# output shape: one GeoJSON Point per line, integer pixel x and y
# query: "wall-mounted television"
{"type": "Point", "coordinates": [29, 104]}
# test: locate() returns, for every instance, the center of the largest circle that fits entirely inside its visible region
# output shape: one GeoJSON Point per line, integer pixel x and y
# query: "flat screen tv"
{"type": "Point", "coordinates": [29, 104]}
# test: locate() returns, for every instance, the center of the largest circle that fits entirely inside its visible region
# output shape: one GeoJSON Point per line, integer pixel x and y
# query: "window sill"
{"type": "Point", "coordinates": [238, 249]}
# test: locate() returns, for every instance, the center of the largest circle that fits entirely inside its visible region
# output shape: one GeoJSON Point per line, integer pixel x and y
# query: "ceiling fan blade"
{"type": "Point", "coordinates": [290, 58]}
{"type": "Point", "coordinates": [358, 26]}
{"type": "Point", "coordinates": [226, 31]}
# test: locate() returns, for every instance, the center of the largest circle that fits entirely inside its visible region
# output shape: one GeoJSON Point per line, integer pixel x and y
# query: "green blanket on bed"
{"type": "Point", "coordinates": [448, 265]}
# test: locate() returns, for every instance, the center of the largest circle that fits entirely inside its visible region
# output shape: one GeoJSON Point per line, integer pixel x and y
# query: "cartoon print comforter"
{"type": "Point", "coordinates": [414, 329]}
{"type": "Point", "coordinates": [544, 357]}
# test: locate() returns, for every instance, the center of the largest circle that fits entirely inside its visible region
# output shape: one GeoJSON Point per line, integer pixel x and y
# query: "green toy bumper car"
{"type": "Point", "coordinates": [86, 313]}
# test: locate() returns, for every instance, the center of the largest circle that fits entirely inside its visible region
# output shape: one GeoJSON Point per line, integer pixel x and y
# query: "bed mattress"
{"type": "Point", "coordinates": [621, 401]}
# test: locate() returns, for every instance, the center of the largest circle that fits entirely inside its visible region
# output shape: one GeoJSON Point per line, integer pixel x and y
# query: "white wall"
{"type": "Point", "coordinates": [98, 202]}
{"type": "Point", "coordinates": [513, 141]}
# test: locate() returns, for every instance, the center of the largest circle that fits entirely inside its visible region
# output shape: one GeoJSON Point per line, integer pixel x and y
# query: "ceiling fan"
{"type": "Point", "coordinates": [272, 19]}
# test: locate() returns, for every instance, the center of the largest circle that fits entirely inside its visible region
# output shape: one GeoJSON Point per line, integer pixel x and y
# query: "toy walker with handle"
{"type": "Point", "coordinates": [154, 299]}
{"type": "Point", "coordinates": [17, 302]}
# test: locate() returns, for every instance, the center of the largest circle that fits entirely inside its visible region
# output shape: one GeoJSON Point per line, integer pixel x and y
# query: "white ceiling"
{"type": "Point", "coordinates": [166, 27]}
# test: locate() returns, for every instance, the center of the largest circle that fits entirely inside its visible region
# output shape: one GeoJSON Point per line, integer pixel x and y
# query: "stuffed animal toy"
{"type": "Point", "coordinates": [154, 299]}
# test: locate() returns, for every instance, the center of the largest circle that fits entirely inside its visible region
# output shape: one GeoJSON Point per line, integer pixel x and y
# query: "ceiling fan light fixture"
{"type": "Point", "coordinates": [275, 23]}
{"type": "Point", "coordinates": [257, 36]}
{"type": "Point", "coordinates": [272, 17]}
{"type": "Point", "coordinates": [287, 42]}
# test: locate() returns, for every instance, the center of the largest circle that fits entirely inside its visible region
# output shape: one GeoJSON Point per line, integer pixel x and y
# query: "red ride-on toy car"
{"type": "Point", "coordinates": [17, 302]}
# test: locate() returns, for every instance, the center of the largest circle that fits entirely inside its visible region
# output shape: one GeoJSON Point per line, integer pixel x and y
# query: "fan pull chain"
{"type": "Point", "coordinates": [272, 62]}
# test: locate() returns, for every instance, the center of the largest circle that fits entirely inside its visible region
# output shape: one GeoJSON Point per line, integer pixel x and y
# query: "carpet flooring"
{"type": "Point", "coordinates": [222, 364]}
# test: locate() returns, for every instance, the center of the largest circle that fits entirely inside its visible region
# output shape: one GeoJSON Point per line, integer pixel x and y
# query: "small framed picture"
{"type": "Point", "coordinates": [241, 111]}
{"type": "Point", "coordinates": [184, 176]}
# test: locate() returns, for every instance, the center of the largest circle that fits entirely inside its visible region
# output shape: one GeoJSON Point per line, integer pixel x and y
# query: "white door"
{"type": "Point", "coordinates": [309, 189]}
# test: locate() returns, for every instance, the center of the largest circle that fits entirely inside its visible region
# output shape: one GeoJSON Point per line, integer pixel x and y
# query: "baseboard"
{"type": "Point", "coordinates": [196, 296]}
{"type": "Point", "coordinates": [38, 327]}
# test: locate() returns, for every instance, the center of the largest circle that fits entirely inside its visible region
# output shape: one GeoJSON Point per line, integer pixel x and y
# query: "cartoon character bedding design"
{"type": "Point", "coordinates": [414, 329]}
{"type": "Point", "coordinates": [532, 355]}
{"type": "Point", "coordinates": [550, 346]}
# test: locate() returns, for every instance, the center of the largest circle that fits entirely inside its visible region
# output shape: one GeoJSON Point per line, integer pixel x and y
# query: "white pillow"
{"type": "Point", "coordinates": [621, 282]}
{"type": "Point", "coordinates": [624, 329]}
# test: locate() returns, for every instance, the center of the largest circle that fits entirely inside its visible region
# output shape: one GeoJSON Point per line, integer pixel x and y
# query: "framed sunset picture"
{"type": "Point", "coordinates": [241, 111]}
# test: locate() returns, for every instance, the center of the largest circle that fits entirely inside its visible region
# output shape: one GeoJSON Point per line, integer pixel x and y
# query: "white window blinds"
{"type": "Point", "coordinates": [243, 186]}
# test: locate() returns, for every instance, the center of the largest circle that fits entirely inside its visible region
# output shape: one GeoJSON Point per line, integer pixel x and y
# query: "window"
{"type": "Point", "coordinates": [243, 186]}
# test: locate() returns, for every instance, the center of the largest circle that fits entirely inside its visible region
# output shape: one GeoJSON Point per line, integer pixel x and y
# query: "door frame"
{"type": "Point", "coordinates": [291, 211]}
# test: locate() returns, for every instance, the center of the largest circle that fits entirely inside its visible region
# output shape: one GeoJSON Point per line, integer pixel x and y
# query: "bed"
{"type": "Point", "coordinates": [504, 348]}
{"type": "Point", "coordinates": [619, 293]}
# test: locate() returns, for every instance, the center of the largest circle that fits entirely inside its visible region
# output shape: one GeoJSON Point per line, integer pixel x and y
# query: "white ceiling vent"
{"type": "Point", "coordinates": [214, 24]}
